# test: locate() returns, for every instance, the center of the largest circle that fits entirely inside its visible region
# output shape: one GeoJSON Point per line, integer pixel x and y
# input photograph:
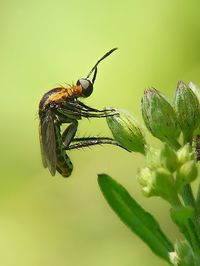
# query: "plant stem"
{"type": "Point", "coordinates": [197, 209]}
{"type": "Point", "coordinates": [187, 196]}
{"type": "Point", "coordinates": [198, 200]}
{"type": "Point", "coordinates": [189, 200]}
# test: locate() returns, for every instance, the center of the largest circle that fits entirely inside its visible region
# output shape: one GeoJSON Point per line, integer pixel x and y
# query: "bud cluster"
{"type": "Point", "coordinates": [165, 121]}
{"type": "Point", "coordinates": [173, 166]}
{"type": "Point", "coordinates": [167, 171]}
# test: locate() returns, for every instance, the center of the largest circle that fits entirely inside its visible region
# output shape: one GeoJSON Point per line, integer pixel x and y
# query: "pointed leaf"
{"type": "Point", "coordinates": [134, 216]}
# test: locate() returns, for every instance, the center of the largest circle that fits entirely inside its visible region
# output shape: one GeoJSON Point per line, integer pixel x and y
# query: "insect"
{"type": "Point", "coordinates": [59, 106]}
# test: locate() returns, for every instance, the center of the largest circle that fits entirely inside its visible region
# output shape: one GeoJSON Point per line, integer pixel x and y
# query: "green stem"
{"type": "Point", "coordinates": [197, 210]}
{"type": "Point", "coordinates": [189, 200]}
{"type": "Point", "coordinates": [193, 237]}
{"type": "Point", "coordinates": [187, 196]}
{"type": "Point", "coordinates": [198, 200]}
{"type": "Point", "coordinates": [175, 201]}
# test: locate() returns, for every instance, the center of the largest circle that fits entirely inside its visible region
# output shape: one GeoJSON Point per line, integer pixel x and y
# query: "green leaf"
{"type": "Point", "coordinates": [134, 216]}
{"type": "Point", "coordinates": [182, 217]}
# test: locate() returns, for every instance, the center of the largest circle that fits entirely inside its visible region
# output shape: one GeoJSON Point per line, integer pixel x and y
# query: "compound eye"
{"type": "Point", "coordinates": [87, 86]}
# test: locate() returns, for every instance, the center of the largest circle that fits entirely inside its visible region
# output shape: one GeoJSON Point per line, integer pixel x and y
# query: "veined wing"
{"type": "Point", "coordinates": [41, 145]}
{"type": "Point", "coordinates": [48, 142]}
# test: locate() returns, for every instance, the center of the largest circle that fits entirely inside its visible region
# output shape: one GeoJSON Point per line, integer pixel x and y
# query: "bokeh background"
{"type": "Point", "coordinates": [47, 220]}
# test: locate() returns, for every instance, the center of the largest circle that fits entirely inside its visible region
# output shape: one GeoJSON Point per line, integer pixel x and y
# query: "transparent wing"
{"type": "Point", "coordinates": [48, 142]}
{"type": "Point", "coordinates": [41, 145]}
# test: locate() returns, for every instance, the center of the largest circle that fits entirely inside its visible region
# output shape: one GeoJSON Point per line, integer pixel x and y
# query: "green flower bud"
{"type": "Point", "coordinates": [186, 173]}
{"type": "Point", "coordinates": [158, 182]}
{"type": "Point", "coordinates": [174, 258]}
{"type": "Point", "coordinates": [163, 184]}
{"type": "Point", "coordinates": [187, 109]}
{"type": "Point", "coordinates": [152, 158]}
{"type": "Point", "coordinates": [127, 132]}
{"type": "Point", "coordinates": [145, 179]}
{"type": "Point", "coordinates": [168, 158]}
{"type": "Point", "coordinates": [196, 89]}
{"type": "Point", "coordinates": [160, 117]}
{"type": "Point", "coordinates": [185, 154]}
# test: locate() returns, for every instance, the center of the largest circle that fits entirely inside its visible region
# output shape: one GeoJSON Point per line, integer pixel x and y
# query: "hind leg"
{"type": "Point", "coordinates": [69, 133]}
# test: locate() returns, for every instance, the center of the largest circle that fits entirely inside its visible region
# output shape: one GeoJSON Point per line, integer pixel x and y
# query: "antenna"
{"type": "Point", "coordinates": [95, 66]}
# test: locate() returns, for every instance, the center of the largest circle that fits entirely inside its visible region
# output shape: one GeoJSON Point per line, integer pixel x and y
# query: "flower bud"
{"type": "Point", "coordinates": [152, 158]}
{"type": "Point", "coordinates": [127, 132]}
{"type": "Point", "coordinates": [185, 154]}
{"type": "Point", "coordinates": [158, 182]}
{"type": "Point", "coordinates": [196, 89]}
{"type": "Point", "coordinates": [163, 184]}
{"type": "Point", "coordinates": [187, 109]}
{"type": "Point", "coordinates": [168, 158]}
{"type": "Point", "coordinates": [174, 258]}
{"type": "Point", "coordinates": [186, 173]}
{"type": "Point", "coordinates": [145, 180]}
{"type": "Point", "coordinates": [160, 117]}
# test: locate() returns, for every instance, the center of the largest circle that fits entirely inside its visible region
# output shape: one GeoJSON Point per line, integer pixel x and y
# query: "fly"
{"type": "Point", "coordinates": [61, 106]}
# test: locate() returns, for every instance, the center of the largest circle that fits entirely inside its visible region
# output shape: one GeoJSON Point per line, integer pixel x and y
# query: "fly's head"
{"type": "Point", "coordinates": [86, 86]}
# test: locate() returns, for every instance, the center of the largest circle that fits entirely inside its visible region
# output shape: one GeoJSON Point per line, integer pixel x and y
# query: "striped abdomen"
{"type": "Point", "coordinates": [64, 166]}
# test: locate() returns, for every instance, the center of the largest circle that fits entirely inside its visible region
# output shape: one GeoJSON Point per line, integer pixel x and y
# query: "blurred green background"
{"type": "Point", "coordinates": [52, 221]}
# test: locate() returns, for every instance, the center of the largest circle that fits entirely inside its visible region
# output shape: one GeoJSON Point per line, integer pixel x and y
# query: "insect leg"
{"type": "Point", "coordinates": [97, 115]}
{"type": "Point", "coordinates": [77, 113]}
{"type": "Point", "coordinates": [69, 133]}
{"type": "Point", "coordinates": [83, 106]}
{"type": "Point", "coordinates": [90, 115]}
{"type": "Point", "coordinates": [80, 106]}
{"type": "Point", "coordinates": [81, 109]}
{"type": "Point", "coordinates": [91, 141]}
{"type": "Point", "coordinates": [67, 115]}
{"type": "Point", "coordinates": [90, 138]}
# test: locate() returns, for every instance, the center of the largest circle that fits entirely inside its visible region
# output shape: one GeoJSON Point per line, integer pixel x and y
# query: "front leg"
{"type": "Point", "coordinates": [85, 107]}
{"type": "Point", "coordinates": [78, 108]}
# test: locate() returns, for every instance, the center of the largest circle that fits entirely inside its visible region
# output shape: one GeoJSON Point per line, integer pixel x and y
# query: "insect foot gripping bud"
{"type": "Point", "coordinates": [186, 174]}
{"type": "Point", "coordinates": [158, 182]}
{"type": "Point", "coordinates": [127, 132]}
{"type": "Point", "coordinates": [160, 117]}
{"type": "Point", "coordinates": [168, 158]}
{"type": "Point", "coordinates": [187, 109]}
